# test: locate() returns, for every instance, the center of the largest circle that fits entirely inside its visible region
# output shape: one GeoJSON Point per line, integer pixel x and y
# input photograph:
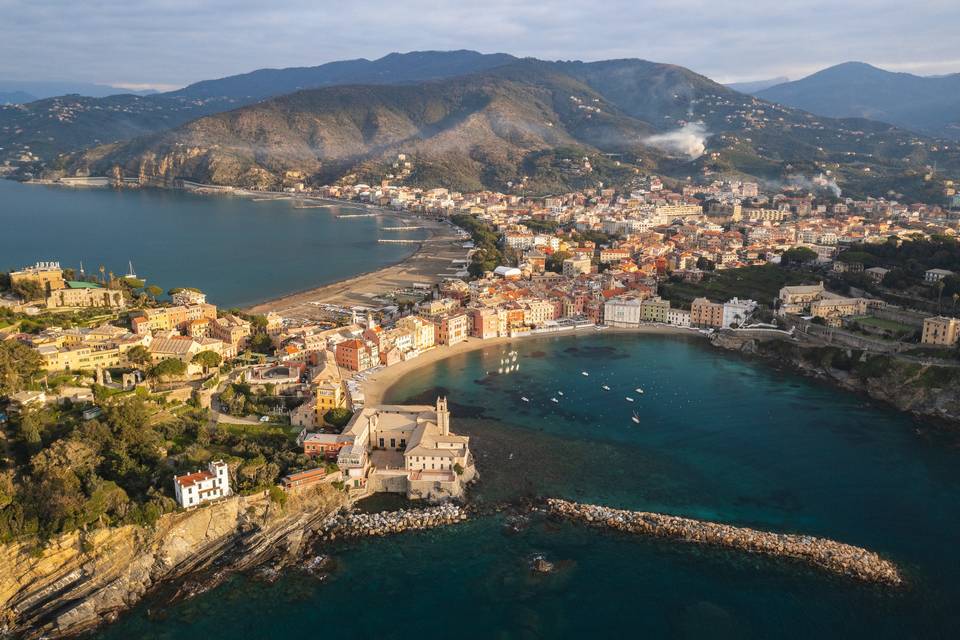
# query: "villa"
{"type": "Point", "coordinates": [198, 487]}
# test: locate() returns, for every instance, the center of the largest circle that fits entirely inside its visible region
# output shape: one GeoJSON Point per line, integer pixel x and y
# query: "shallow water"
{"type": "Point", "coordinates": [719, 438]}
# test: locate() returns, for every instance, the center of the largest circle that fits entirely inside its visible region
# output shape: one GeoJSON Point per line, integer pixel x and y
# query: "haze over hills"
{"type": "Point", "coordinates": [754, 86]}
{"type": "Point", "coordinates": [39, 89]}
{"type": "Point", "coordinates": [63, 124]}
{"type": "Point", "coordinates": [528, 122]}
{"type": "Point", "coordinates": [929, 105]}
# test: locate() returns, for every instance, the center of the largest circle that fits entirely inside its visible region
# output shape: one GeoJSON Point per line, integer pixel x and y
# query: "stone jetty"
{"type": "Point", "coordinates": [356, 525]}
{"type": "Point", "coordinates": [829, 555]}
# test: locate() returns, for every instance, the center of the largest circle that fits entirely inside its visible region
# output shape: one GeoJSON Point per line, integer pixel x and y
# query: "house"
{"type": "Point", "coordinates": [936, 275]}
{"type": "Point", "coordinates": [304, 478]}
{"type": "Point", "coordinates": [941, 331]}
{"type": "Point", "coordinates": [327, 445]}
{"type": "Point", "coordinates": [876, 273]}
{"type": "Point", "coordinates": [193, 489]}
{"type": "Point", "coordinates": [704, 313]}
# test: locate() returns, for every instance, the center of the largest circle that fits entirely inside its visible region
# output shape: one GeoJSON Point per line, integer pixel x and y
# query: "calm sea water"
{"type": "Point", "coordinates": [719, 438]}
{"type": "Point", "coordinates": [236, 250]}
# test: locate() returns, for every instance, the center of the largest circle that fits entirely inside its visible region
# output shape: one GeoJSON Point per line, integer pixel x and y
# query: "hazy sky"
{"type": "Point", "coordinates": [170, 43]}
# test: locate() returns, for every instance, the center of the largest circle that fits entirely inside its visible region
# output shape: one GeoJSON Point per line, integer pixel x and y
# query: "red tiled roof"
{"type": "Point", "coordinates": [191, 479]}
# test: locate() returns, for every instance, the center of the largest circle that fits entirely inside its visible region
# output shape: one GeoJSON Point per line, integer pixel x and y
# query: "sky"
{"type": "Point", "coordinates": [166, 44]}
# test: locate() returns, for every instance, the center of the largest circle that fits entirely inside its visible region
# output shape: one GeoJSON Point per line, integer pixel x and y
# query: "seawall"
{"type": "Point", "coordinates": [822, 553]}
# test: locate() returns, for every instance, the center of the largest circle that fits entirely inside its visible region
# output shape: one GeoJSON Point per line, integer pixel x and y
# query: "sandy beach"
{"type": "Point", "coordinates": [431, 262]}
{"type": "Point", "coordinates": [376, 387]}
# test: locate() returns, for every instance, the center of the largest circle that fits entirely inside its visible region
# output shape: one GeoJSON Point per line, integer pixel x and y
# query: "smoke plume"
{"type": "Point", "coordinates": [689, 140]}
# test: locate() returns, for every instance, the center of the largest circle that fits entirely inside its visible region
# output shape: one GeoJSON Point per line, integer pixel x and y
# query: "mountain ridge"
{"type": "Point", "coordinates": [925, 104]}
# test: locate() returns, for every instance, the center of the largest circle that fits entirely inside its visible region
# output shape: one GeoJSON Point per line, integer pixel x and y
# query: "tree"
{"type": "Point", "coordinates": [338, 417]}
{"type": "Point", "coordinates": [139, 355]}
{"type": "Point", "coordinates": [29, 290]}
{"type": "Point", "coordinates": [261, 343]}
{"type": "Point", "coordinates": [169, 368]}
{"type": "Point", "coordinates": [19, 366]}
{"type": "Point", "coordinates": [153, 291]}
{"type": "Point", "coordinates": [798, 255]}
{"type": "Point", "coordinates": [207, 360]}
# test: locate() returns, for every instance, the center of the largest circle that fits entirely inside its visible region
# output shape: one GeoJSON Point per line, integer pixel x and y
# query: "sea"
{"type": "Point", "coordinates": [240, 251]}
{"type": "Point", "coordinates": [718, 437]}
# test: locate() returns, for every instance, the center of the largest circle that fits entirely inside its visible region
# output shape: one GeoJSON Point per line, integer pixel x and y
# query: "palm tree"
{"type": "Point", "coordinates": [940, 285]}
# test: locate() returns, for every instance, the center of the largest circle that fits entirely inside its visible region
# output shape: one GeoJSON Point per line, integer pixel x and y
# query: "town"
{"type": "Point", "coordinates": [723, 257]}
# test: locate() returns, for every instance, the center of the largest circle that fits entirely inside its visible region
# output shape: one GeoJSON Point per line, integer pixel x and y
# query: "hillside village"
{"type": "Point", "coordinates": [247, 402]}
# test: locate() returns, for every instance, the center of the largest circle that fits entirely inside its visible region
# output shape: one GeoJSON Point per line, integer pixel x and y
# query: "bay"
{"type": "Point", "coordinates": [719, 437]}
{"type": "Point", "coordinates": [237, 250]}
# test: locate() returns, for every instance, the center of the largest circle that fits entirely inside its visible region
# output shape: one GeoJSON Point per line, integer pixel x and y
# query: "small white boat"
{"type": "Point", "coordinates": [635, 418]}
{"type": "Point", "coordinates": [606, 388]}
{"type": "Point", "coordinates": [584, 373]}
{"type": "Point", "coordinates": [525, 398]}
{"type": "Point", "coordinates": [500, 370]}
{"type": "Point", "coordinates": [514, 357]}
{"type": "Point", "coordinates": [628, 399]}
{"type": "Point", "coordinates": [554, 400]}
{"type": "Point", "coordinates": [638, 390]}
{"type": "Point", "coordinates": [559, 393]}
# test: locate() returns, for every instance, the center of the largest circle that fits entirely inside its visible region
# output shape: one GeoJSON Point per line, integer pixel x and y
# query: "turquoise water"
{"type": "Point", "coordinates": [236, 250]}
{"type": "Point", "coordinates": [719, 438]}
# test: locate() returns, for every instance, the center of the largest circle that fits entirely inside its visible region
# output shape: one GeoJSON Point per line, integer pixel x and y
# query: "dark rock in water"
{"type": "Point", "coordinates": [319, 566]}
{"type": "Point", "coordinates": [268, 573]}
{"type": "Point", "coordinates": [539, 564]}
{"type": "Point", "coordinates": [515, 524]}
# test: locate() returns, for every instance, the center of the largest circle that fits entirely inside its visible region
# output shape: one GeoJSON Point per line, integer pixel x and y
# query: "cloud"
{"type": "Point", "coordinates": [174, 42]}
{"type": "Point", "coordinates": [689, 140]}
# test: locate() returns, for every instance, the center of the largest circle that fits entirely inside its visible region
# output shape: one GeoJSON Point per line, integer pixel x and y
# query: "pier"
{"type": "Point", "coordinates": [357, 215]}
{"type": "Point", "coordinates": [821, 553]}
{"type": "Point", "coordinates": [400, 228]}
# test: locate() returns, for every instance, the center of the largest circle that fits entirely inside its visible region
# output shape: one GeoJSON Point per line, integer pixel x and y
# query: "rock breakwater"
{"type": "Point", "coordinates": [822, 553]}
{"type": "Point", "coordinates": [357, 525]}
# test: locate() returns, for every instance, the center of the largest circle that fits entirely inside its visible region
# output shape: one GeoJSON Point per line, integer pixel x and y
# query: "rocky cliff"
{"type": "Point", "coordinates": [909, 384]}
{"type": "Point", "coordinates": [81, 579]}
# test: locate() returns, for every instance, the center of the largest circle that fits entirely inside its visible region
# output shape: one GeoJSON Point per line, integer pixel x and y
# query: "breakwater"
{"type": "Point", "coordinates": [822, 553]}
{"type": "Point", "coordinates": [357, 525]}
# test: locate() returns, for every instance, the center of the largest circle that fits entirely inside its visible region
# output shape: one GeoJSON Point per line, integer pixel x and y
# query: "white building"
{"type": "Point", "coordinates": [623, 312]}
{"type": "Point", "coordinates": [736, 311]}
{"type": "Point", "coordinates": [678, 317]}
{"type": "Point", "coordinates": [936, 275]}
{"type": "Point", "coordinates": [198, 487]}
{"type": "Point", "coordinates": [185, 297]}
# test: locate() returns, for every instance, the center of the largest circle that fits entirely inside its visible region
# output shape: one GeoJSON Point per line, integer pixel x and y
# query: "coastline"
{"type": "Point", "coordinates": [378, 385]}
{"type": "Point", "coordinates": [432, 260]}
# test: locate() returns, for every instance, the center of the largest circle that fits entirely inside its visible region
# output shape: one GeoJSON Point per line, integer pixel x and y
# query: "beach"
{"type": "Point", "coordinates": [378, 384]}
{"type": "Point", "coordinates": [433, 260]}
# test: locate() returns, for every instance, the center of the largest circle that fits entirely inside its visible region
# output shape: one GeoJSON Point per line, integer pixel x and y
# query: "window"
{"type": "Point", "coordinates": [393, 443]}
{"type": "Point", "coordinates": [381, 443]}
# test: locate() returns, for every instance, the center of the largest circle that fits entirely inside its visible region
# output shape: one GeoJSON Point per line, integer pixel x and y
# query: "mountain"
{"type": "Point", "coordinates": [50, 89]}
{"type": "Point", "coordinates": [543, 125]}
{"type": "Point", "coordinates": [929, 105]}
{"type": "Point", "coordinates": [756, 85]}
{"type": "Point", "coordinates": [395, 68]}
{"type": "Point", "coordinates": [16, 97]}
{"type": "Point", "coordinates": [63, 124]}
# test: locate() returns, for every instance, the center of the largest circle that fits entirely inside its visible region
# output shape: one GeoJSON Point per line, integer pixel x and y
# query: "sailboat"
{"type": "Point", "coordinates": [525, 398]}
{"type": "Point", "coordinates": [554, 400]}
{"type": "Point", "coordinates": [638, 390]}
{"type": "Point", "coordinates": [130, 272]}
{"type": "Point", "coordinates": [605, 388]}
{"type": "Point", "coordinates": [628, 399]}
{"type": "Point", "coordinates": [559, 393]}
{"type": "Point", "coordinates": [635, 418]}
{"type": "Point", "coordinates": [584, 373]}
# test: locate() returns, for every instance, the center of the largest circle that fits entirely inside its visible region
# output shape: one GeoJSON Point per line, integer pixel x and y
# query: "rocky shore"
{"type": "Point", "coordinates": [907, 383]}
{"type": "Point", "coordinates": [358, 525]}
{"type": "Point", "coordinates": [828, 555]}
{"type": "Point", "coordinates": [80, 580]}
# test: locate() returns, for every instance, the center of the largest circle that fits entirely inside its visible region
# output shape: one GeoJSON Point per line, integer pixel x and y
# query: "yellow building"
{"type": "Point", "coordinates": [85, 294]}
{"type": "Point", "coordinates": [48, 275]}
{"type": "Point", "coordinates": [941, 331]}
{"type": "Point", "coordinates": [329, 395]}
